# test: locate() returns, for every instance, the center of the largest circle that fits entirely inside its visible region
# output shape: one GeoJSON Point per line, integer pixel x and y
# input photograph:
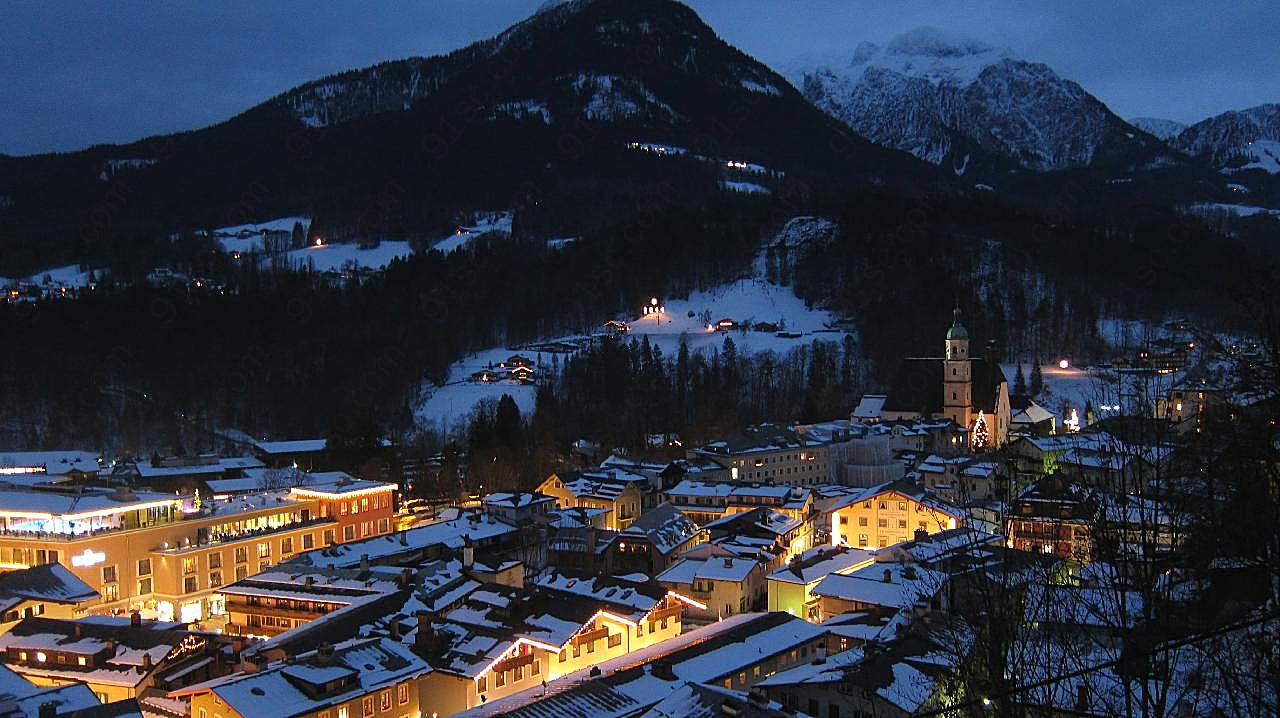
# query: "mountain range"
{"type": "Point", "coordinates": [638, 155]}
{"type": "Point", "coordinates": [539, 119]}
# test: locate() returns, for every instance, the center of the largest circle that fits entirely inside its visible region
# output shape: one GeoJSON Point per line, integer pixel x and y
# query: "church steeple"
{"type": "Point", "coordinates": [957, 338]}
{"type": "Point", "coordinates": [957, 374]}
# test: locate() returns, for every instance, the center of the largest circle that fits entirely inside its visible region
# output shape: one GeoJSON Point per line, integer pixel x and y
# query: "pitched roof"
{"type": "Point", "coordinates": [716, 568]}
{"type": "Point", "coordinates": [48, 582]}
{"type": "Point", "coordinates": [917, 386]}
{"type": "Point", "coordinates": [366, 665]}
{"type": "Point", "coordinates": [665, 526]}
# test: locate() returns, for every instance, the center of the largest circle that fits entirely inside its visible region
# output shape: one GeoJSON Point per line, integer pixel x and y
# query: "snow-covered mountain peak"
{"type": "Point", "coordinates": [1237, 140]}
{"type": "Point", "coordinates": [1158, 127]}
{"type": "Point", "coordinates": [930, 54]}
{"type": "Point", "coordinates": [933, 42]}
{"type": "Point", "coordinates": [953, 99]}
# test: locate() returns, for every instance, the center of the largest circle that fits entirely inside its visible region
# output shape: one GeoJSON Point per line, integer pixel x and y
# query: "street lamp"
{"type": "Point", "coordinates": [1064, 364]}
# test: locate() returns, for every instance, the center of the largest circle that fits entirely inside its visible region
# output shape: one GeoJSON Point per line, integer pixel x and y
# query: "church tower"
{"type": "Point", "coordinates": [957, 375]}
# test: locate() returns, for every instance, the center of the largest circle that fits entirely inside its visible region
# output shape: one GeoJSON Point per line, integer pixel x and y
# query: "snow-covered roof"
{"type": "Point", "coordinates": [905, 488]}
{"type": "Point", "coordinates": [665, 526]}
{"type": "Point", "coordinates": [635, 593]}
{"type": "Point", "coordinates": [296, 446]}
{"type": "Point", "coordinates": [869, 406]}
{"type": "Point", "coordinates": [53, 462]}
{"type": "Point", "coordinates": [696, 700]}
{"type": "Point", "coordinates": [366, 664]}
{"type": "Point", "coordinates": [906, 584]}
{"type": "Point", "coordinates": [716, 568]}
{"type": "Point", "coordinates": [127, 648]}
{"type": "Point", "coordinates": [820, 561]}
{"type": "Point", "coordinates": [904, 672]}
{"type": "Point", "coordinates": [449, 534]}
{"type": "Point", "coordinates": [18, 501]}
{"type": "Point", "coordinates": [48, 582]}
{"type": "Point", "coordinates": [218, 465]}
{"type": "Point", "coordinates": [322, 585]}
{"type": "Point", "coordinates": [516, 500]}
{"type": "Point", "coordinates": [339, 482]}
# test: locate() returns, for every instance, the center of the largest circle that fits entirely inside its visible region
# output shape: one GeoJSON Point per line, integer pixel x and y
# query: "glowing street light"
{"type": "Point", "coordinates": [1064, 364]}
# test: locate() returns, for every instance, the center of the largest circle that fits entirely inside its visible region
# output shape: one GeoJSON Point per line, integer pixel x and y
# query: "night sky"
{"type": "Point", "coordinates": [76, 73]}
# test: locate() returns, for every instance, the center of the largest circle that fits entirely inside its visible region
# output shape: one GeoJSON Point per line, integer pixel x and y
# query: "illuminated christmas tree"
{"type": "Point", "coordinates": [981, 434]}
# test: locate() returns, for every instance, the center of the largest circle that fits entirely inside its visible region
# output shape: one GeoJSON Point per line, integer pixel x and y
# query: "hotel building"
{"type": "Point", "coordinates": [166, 555]}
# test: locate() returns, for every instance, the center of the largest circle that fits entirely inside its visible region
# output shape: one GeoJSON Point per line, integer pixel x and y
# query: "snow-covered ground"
{"type": "Point", "coordinates": [746, 187]}
{"type": "Point", "coordinates": [749, 300]}
{"type": "Point", "coordinates": [231, 240]}
{"type": "Point", "coordinates": [335, 257]}
{"type": "Point", "coordinates": [69, 276]}
{"type": "Point", "coordinates": [1265, 155]}
{"type": "Point", "coordinates": [1108, 391]}
{"type": "Point", "coordinates": [1240, 210]}
{"type": "Point", "coordinates": [485, 222]}
{"type": "Point", "coordinates": [449, 407]}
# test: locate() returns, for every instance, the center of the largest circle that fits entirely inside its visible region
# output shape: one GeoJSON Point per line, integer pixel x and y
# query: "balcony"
{"type": "Point", "coordinates": [227, 539]}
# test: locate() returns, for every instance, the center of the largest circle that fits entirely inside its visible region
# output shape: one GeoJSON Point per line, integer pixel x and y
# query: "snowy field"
{"type": "Point", "coordinates": [230, 240]}
{"type": "Point", "coordinates": [1109, 391]}
{"type": "Point", "coordinates": [1265, 155]}
{"type": "Point", "coordinates": [746, 187]}
{"type": "Point", "coordinates": [484, 223]}
{"type": "Point", "coordinates": [745, 301]}
{"type": "Point", "coordinates": [335, 257]}
{"type": "Point", "coordinates": [69, 276]}
{"type": "Point", "coordinates": [1240, 210]}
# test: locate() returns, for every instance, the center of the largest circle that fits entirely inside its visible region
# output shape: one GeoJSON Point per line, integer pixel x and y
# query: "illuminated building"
{"type": "Point", "coordinates": [706, 502]}
{"type": "Point", "coordinates": [955, 386]}
{"type": "Point", "coordinates": [118, 658]}
{"type": "Point", "coordinates": [165, 554]}
{"type": "Point", "coordinates": [50, 590]}
{"type": "Point", "coordinates": [769, 453]}
{"type": "Point", "coordinates": [890, 514]}
{"type": "Point", "coordinates": [618, 491]}
{"type": "Point", "coordinates": [790, 589]}
{"type": "Point", "coordinates": [723, 585]}
{"type": "Point", "coordinates": [355, 679]}
{"type": "Point", "coordinates": [289, 596]}
{"type": "Point", "coordinates": [504, 640]}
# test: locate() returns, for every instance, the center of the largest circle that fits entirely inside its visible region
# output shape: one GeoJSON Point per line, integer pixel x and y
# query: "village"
{"type": "Point", "coordinates": [850, 567]}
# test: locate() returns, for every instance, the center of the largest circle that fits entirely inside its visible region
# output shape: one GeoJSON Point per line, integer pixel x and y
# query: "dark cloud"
{"type": "Point", "coordinates": [78, 73]}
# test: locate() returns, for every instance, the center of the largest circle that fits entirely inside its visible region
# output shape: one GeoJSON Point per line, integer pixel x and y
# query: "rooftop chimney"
{"type": "Point", "coordinates": [921, 535]}
{"type": "Point", "coordinates": [728, 563]}
{"type": "Point", "coordinates": [364, 562]}
{"type": "Point", "coordinates": [48, 709]}
{"type": "Point", "coordinates": [254, 662]}
{"type": "Point", "coordinates": [135, 619]}
{"type": "Point", "coordinates": [468, 552]}
{"type": "Point", "coordinates": [888, 576]}
{"type": "Point", "coordinates": [324, 653]}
